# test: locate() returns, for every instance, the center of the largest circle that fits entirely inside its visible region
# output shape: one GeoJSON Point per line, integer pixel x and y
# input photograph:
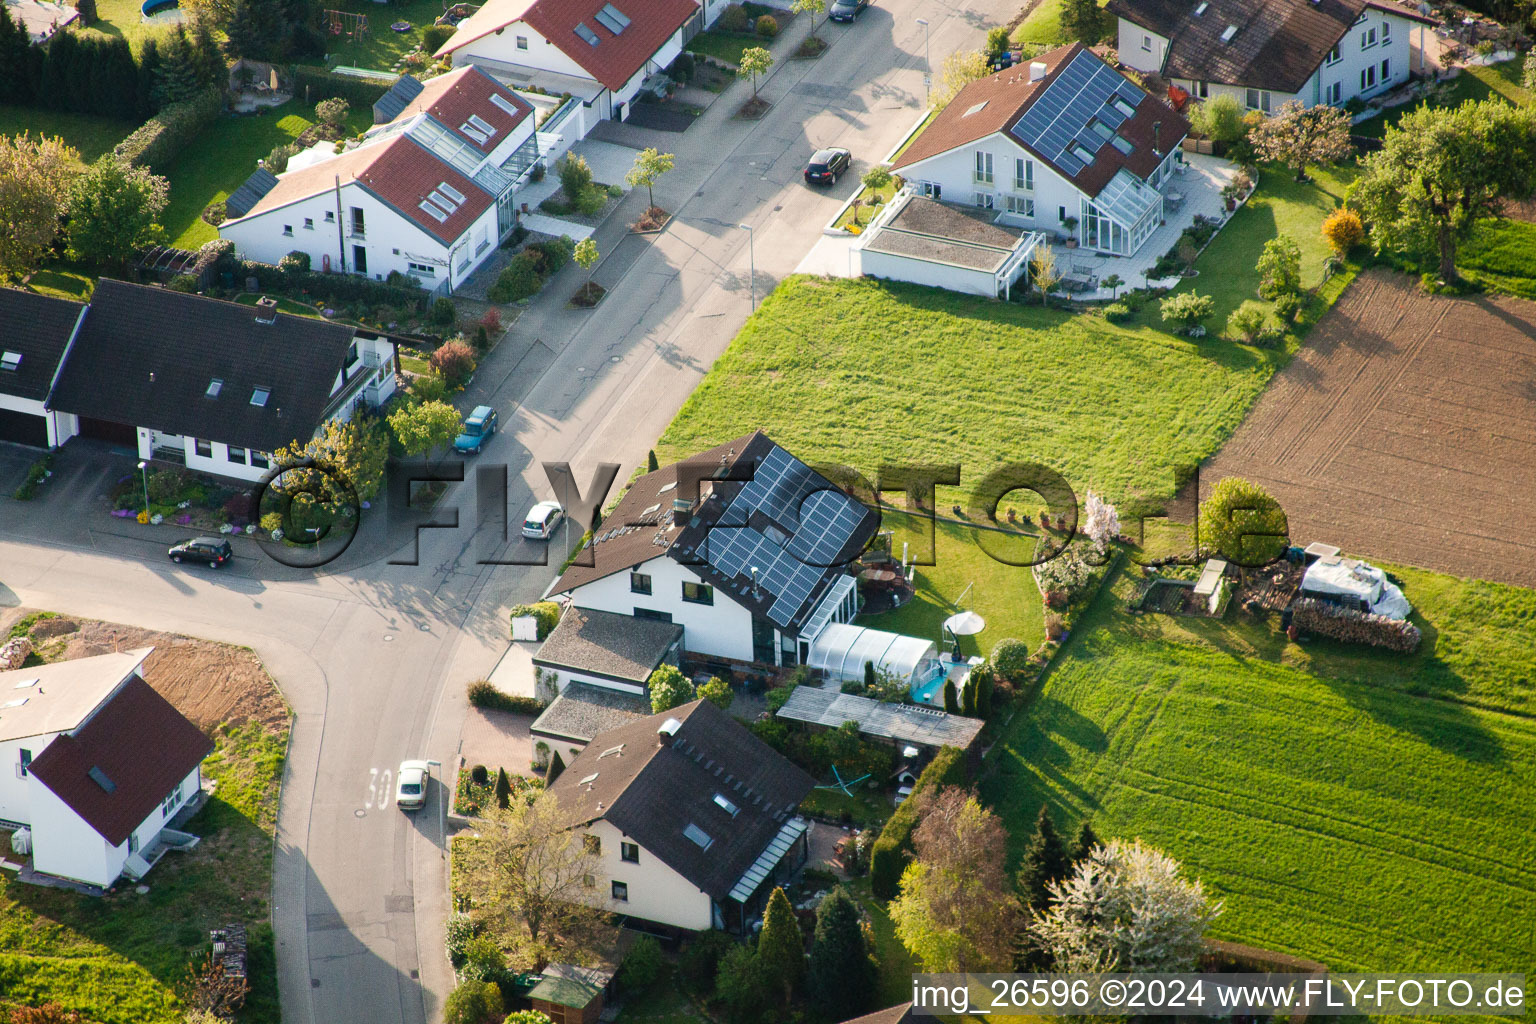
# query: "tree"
{"type": "Point", "coordinates": [669, 689]}
{"type": "Point", "coordinates": [958, 71]}
{"type": "Point", "coordinates": [1102, 523]}
{"type": "Point", "coordinates": [529, 876]}
{"type": "Point", "coordinates": [503, 789]}
{"type": "Point", "coordinates": [1044, 272]}
{"type": "Point", "coordinates": [780, 947]}
{"type": "Point", "coordinates": [1086, 841]}
{"type": "Point", "coordinates": [215, 12]}
{"type": "Point", "coordinates": [1298, 136]}
{"type": "Point", "coordinates": [1082, 20]}
{"type": "Point", "coordinates": [357, 450]}
{"type": "Point", "coordinates": [1343, 230]}
{"type": "Point", "coordinates": [1440, 170]}
{"type": "Point", "coordinates": [113, 209]}
{"type": "Point", "coordinates": [718, 692]}
{"type": "Point", "coordinates": [1113, 283]}
{"type": "Point", "coordinates": [575, 177]}
{"type": "Point", "coordinates": [1279, 267]}
{"type": "Point", "coordinates": [951, 698]}
{"type": "Point", "coordinates": [1246, 323]}
{"type": "Point", "coordinates": [179, 75]}
{"type": "Point", "coordinates": [1188, 309]}
{"type": "Point", "coordinates": [956, 911]}
{"type": "Point", "coordinates": [815, 8]}
{"type": "Point", "coordinates": [474, 1002]}
{"type": "Point", "coordinates": [1243, 523]}
{"type": "Point", "coordinates": [1127, 906]}
{"type": "Point", "coordinates": [1045, 861]}
{"type": "Point", "coordinates": [586, 256]}
{"type": "Point", "coordinates": [20, 62]}
{"type": "Point", "coordinates": [968, 697]}
{"type": "Point", "coordinates": [755, 62]}
{"type": "Point", "coordinates": [842, 977]}
{"type": "Point", "coordinates": [1219, 118]}
{"type": "Point", "coordinates": [425, 427]}
{"type": "Point", "coordinates": [1528, 72]}
{"type": "Point", "coordinates": [876, 178]}
{"type": "Point", "coordinates": [997, 42]}
{"type": "Point", "coordinates": [454, 361]}
{"type": "Point", "coordinates": [649, 166]}
{"type": "Point", "coordinates": [332, 112]}
{"type": "Point", "coordinates": [207, 986]}
{"type": "Point", "coordinates": [255, 28]}
{"type": "Point", "coordinates": [743, 985]}
{"type": "Point", "coordinates": [34, 182]}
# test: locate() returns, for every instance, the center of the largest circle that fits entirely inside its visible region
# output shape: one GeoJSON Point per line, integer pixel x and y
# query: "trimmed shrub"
{"type": "Point", "coordinates": [333, 111]}
{"type": "Point", "coordinates": [295, 263]}
{"type": "Point", "coordinates": [733, 19]}
{"type": "Point", "coordinates": [893, 849]}
{"type": "Point", "coordinates": [156, 142]}
{"type": "Point", "coordinates": [767, 26]}
{"type": "Point", "coordinates": [313, 84]}
{"type": "Point", "coordinates": [434, 36]}
{"type": "Point", "coordinates": [556, 253]}
{"type": "Point", "coordinates": [1353, 626]}
{"type": "Point", "coordinates": [1117, 312]}
{"type": "Point", "coordinates": [1010, 659]}
{"type": "Point", "coordinates": [546, 613]}
{"type": "Point", "coordinates": [682, 69]}
{"type": "Point", "coordinates": [1344, 230]}
{"type": "Point", "coordinates": [520, 279]}
{"type": "Point", "coordinates": [443, 312]}
{"type": "Point", "coordinates": [483, 694]}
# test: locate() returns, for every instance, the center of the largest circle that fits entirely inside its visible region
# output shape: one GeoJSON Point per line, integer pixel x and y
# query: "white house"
{"type": "Point", "coordinates": [215, 386]}
{"type": "Point", "coordinates": [744, 546]}
{"type": "Point", "coordinates": [99, 764]}
{"type": "Point", "coordinates": [1062, 144]}
{"type": "Point", "coordinates": [691, 818]}
{"type": "Point", "coordinates": [35, 332]}
{"type": "Point", "coordinates": [429, 194]}
{"type": "Point", "coordinates": [601, 51]}
{"type": "Point", "coordinates": [1268, 52]}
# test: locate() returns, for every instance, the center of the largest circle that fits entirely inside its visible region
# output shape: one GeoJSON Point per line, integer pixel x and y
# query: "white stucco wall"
{"type": "Point", "coordinates": [656, 892]}
{"type": "Point", "coordinates": [955, 173]}
{"type": "Point", "coordinates": [1140, 48]}
{"type": "Point", "coordinates": [723, 628]}
{"type": "Point", "coordinates": [15, 789]}
{"type": "Point", "coordinates": [539, 55]}
{"type": "Point", "coordinates": [940, 275]}
{"type": "Point", "coordinates": [63, 844]}
{"type": "Point", "coordinates": [565, 677]}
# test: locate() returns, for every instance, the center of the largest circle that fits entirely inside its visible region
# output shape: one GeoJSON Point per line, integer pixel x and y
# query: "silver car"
{"type": "Point", "coordinates": [411, 785]}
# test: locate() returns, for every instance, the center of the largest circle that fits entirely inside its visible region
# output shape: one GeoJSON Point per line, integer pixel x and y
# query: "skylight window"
{"type": "Point", "coordinates": [1080, 151]}
{"type": "Point", "coordinates": [432, 211]}
{"type": "Point", "coordinates": [1123, 105]}
{"type": "Point", "coordinates": [505, 104]}
{"type": "Point", "coordinates": [100, 778]}
{"type": "Point", "coordinates": [482, 124]}
{"type": "Point", "coordinates": [1228, 32]}
{"type": "Point", "coordinates": [612, 19]}
{"type": "Point", "coordinates": [1122, 145]}
{"type": "Point", "coordinates": [1201, 9]}
{"type": "Point", "coordinates": [259, 396]}
{"type": "Point", "coordinates": [975, 109]}
{"type": "Point", "coordinates": [18, 702]}
{"type": "Point", "coordinates": [587, 35]}
{"type": "Point", "coordinates": [1102, 130]}
{"type": "Point", "coordinates": [699, 837]}
{"type": "Point", "coordinates": [10, 360]}
{"type": "Point", "coordinates": [724, 803]}
{"type": "Point", "coordinates": [617, 751]}
{"type": "Point", "coordinates": [25, 683]}
{"type": "Point", "coordinates": [441, 199]}
{"type": "Point", "coordinates": [473, 132]}
{"type": "Point", "coordinates": [214, 387]}
{"type": "Point", "coordinates": [589, 779]}
{"type": "Point", "coordinates": [451, 192]}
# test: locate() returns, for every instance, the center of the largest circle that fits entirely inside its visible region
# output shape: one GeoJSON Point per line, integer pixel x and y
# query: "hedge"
{"type": "Point", "coordinates": [1352, 626]}
{"type": "Point", "coordinates": [156, 142]}
{"type": "Point", "coordinates": [313, 84]}
{"type": "Point", "coordinates": [546, 613]}
{"type": "Point", "coordinates": [888, 859]}
{"type": "Point", "coordinates": [482, 694]}
{"type": "Point", "coordinates": [336, 288]}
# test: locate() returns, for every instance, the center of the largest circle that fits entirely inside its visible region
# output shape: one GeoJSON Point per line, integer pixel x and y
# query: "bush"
{"type": "Point", "coordinates": [1055, 627]}
{"type": "Point", "coordinates": [443, 312]}
{"type": "Point", "coordinates": [277, 160]}
{"type": "Point", "coordinates": [183, 283]}
{"type": "Point", "coordinates": [701, 960]}
{"type": "Point", "coordinates": [295, 263]}
{"type": "Point", "coordinates": [1219, 119]}
{"type": "Point", "coordinates": [332, 111]}
{"type": "Point", "coordinates": [1344, 230]}
{"type": "Point", "coordinates": [1117, 312]}
{"type": "Point", "coordinates": [484, 961]}
{"type": "Point", "coordinates": [1279, 268]}
{"type": "Point", "coordinates": [434, 36]}
{"type": "Point", "coordinates": [556, 253]}
{"type": "Point", "coordinates": [733, 19]}
{"type": "Point", "coordinates": [313, 84]}
{"type": "Point", "coordinates": [156, 142]}
{"type": "Point", "coordinates": [483, 694]}
{"type": "Point", "coordinates": [1243, 523]}
{"type": "Point", "coordinates": [682, 69]}
{"type": "Point", "coordinates": [767, 26]}
{"type": "Point", "coordinates": [1067, 573]}
{"type": "Point", "coordinates": [1288, 308]}
{"type": "Point", "coordinates": [1245, 324]}
{"type": "Point", "coordinates": [519, 280]}
{"type": "Point", "coordinates": [642, 965]}
{"type": "Point", "coordinates": [1187, 308]}
{"type": "Point", "coordinates": [889, 857]}
{"type": "Point", "coordinates": [491, 321]}
{"type": "Point", "coordinates": [454, 361]}
{"type": "Point", "coordinates": [460, 930]}
{"type": "Point", "coordinates": [1010, 659]}
{"type": "Point", "coordinates": [474, 1002]}
{"type": "Point", "coordinates": [546, 613]}
{"type": "Point", "coordinates": [36, 474]}
{"type": "Point", "coordinates": [575, 176]}
{"type": "Point", "coordinates": [1353, 626]}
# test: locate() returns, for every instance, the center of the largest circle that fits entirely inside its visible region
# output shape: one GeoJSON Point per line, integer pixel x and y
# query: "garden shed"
{"type": "Point", "coordinates": [840, 650]}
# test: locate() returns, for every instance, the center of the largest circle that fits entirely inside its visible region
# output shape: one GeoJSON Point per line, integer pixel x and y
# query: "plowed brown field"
{"type": "Point", "coordinates": [1405, 431]}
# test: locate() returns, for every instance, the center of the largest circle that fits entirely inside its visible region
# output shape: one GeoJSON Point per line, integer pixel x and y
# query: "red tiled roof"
{"type": "Point", "coordinates": [615, 58]}
{"type": "Point", "coordinates": [140, 743]}
{"type": "Point", "coordinates": [453, 97]}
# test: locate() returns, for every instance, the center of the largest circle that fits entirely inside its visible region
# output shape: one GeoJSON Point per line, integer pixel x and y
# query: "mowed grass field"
{"type": "Point", "coordinates": [92, 136]}
{"type": "Point", "coordinates": [1343, 808]}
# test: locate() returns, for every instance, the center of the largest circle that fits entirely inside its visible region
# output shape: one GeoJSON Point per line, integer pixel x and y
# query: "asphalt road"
{"type": "Point", "coordinates": [374, 657]}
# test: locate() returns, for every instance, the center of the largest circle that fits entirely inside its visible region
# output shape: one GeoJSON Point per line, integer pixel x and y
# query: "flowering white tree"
{"type": "Point", "coordinates": [1125, 908]}
{"type": "Point", "coordinates": [1103, 522]}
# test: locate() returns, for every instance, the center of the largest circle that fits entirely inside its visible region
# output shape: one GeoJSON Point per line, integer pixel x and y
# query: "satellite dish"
{"type": "Point", "coordinates": [965, 624]}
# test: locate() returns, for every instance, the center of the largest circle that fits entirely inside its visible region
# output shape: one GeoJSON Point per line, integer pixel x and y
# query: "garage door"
{"type": "Point", "coordinates": [104, 430]}
{"type": "Point", "coordinates": [23, 427]}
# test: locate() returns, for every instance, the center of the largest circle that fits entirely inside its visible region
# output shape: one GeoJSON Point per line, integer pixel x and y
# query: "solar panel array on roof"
{"type": "Point", "coordinates": [1085, 90]}
{"type": "Point", "coordinates": [613, 19]}
{"type": "Point", "coordinates": [242, 199]}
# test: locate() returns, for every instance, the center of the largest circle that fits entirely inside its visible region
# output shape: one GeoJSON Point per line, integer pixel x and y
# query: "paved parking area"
{"type": "Point", "coordinates": [15, 460]}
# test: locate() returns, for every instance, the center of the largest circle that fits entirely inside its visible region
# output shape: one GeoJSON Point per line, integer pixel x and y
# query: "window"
{"type": "Point", "coordinates": [703, 840]}
{"type": "Point", "coordinates": [203, 448]}
{"type": "Point", "coordinates": [237, 455]}
{"type": "Point", "coordinates": [1228, 32]}
{"type": "Point", "coordinates": [650, 614]}
{"type": "Point", "coordinates": [1021, 205]}
{"type": "Point", "coordinates": [724, 803]}
{"type": "Point", "coordinates": [1146, 43]}
{"type": "Point", "coordinates": [10, 361]}
{"type": "Point", "coordinates": [621, 891]}
{"type": "Point", "coordinates": [1257, 99]}
{"type": "Point", "coordinates": [698, 593]}
{"type": "Point", "coordinates": [984, 167]}
{"type": "Point", "coordinates": [1386, 71]}
{"type": "Point", "coordinates": [984, 200]}
{"type": "Point", "coordinates": [259, 459]}
{"type": "Point", "coordinates": [432, 211]}
{"type": "Point", "coordinates": [330, 218]}
{"type": "Point", "coordinates": [422, 268]}
{"type": "Point", "coordinates": [629, 852]}
{"type": "Point", "coordinates": [522, 42]}
{"type": "Point", "coordinates": [932, 189]}
{"type": "Point", "coordinates": [1024, 175]}
{"type": "Point", "coordinates": [1201, 9]}
{"type": "Point", "coordinates": [26, 761]}
{"type": "Point", "coordinates": [1334, 56]}
{"type": "Point", "coordinates": [309, 223]}
{"type": "Point", "coordinates": [639, 583]}
{"type": "Point", "coordinates": [1386, 32]}
{"type": "Point", "coordinates": [259, 396]}
{"type": "Point", "coordinates": [359, 224]}
{"type": "Point", "coordinates": [1335, 93]}
{"type": "Point", "coordinates": [169, 805]}
{"type": "Point", "coordinates": [1368, 78]}
{"type": "Point", "coordinates": [214, 387]}
{"type": "Point", "coordinates": [288, 230]}
{"type": "Point", "coordinates": [593, 844]}
{"type": "Point", "coordinates": [1202, 89]}
{"type": "Point", "coordinates": [1061, 213]}
{"type": "Point", "coordinates": [360, 259]}
{"type": "Point", "coordinates": [586, 34]}
{"type": "Point", "coordinates": [1368, 39]}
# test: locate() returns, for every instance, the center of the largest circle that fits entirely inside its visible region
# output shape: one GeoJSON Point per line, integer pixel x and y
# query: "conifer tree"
{"type": "Point", "coordinates": [1086, 841]}
{"type": "Point", "coordinates": [841, 980]}
{"type": "Point", "coordinates": [780, 948]}
{"type": "Point", "coordinates": [1045, 861]}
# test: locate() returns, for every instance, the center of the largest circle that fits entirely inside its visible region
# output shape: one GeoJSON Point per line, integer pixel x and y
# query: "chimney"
{"type": "Point", "coordinates": [682, 511]}
{"type": "Point", "coordinates": [667, 731]}
{"type": "Point", "coordinates": [1036, 70]}
{"type": "Point", "coordinates": [266, 310]}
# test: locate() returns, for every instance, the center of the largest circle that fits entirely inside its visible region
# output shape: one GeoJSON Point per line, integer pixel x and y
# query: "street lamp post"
{"type": "Point", "coordinates": [144, 472]}
{"type": "Point", "coordinates": [927, 67]}
{"type": "Point", "coordinates": [751, 262]}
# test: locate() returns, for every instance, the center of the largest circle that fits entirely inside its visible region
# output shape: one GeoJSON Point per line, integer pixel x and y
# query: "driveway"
{"type": "Point", "coordinates": [1405, 431]}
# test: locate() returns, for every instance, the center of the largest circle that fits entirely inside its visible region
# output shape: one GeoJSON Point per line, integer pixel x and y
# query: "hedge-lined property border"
{"type": "Point", "coordinates": [156, 142]}
{"type": "Point", "coordinates": [888, 858]}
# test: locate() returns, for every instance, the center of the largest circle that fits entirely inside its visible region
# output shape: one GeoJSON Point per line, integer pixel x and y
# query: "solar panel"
{"type": "Point", "coordinates": [1082, 91]}
{"type": "Point", "coordinates": [605, 18]}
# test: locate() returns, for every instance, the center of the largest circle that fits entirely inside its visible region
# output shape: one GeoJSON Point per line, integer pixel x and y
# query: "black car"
{"type": "Point", "coordinates": [212, 550]}
{"type": "Point", "coordinates": [846, 10]}
{"type": "Point", "coordinates": [827, 165]}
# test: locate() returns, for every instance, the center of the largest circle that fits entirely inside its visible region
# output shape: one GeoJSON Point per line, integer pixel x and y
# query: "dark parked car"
{"type": "Point", "coordinates": [846, 10]}
{"type": "Point", "coordinates": [478, 426]}
{"type": "Point", "coordinates": [213, 550]}
{"type": "Point", "coordinates": [827, 165]}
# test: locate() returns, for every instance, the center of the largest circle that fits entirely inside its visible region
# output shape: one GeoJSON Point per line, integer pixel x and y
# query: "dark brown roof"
{"type": "Point", "coordinates": [608, 644]}
{"type": "Point", "coordinates": [145, 357]}
{"type": "Point", "coordinates": [38, 328]}
{"type": "Point", "coordinates": [136, 741]}
{"type": "Point", "coordinates": [653, 792]}
{"type": "Point", "coordinates": [1153, 130]}
{"type": "Point", "coordinates": [891, 1015]}
{"type": "Point", "coordinates": [1278, 45]}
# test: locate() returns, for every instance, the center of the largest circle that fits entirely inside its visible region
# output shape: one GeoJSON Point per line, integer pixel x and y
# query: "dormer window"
{"type": "Point", "coordinates": [259, 396]}
{"type": "Point", "coordinates": [1201, 9]}
{"type": "Point", "coordinates": [10, 361]}
{"type": "Point", "coordinates": [1228, 32]}
{"type": "Point", "coordinates": [587, 35]}
{"type": "Point", "coordinates": [214, 387]}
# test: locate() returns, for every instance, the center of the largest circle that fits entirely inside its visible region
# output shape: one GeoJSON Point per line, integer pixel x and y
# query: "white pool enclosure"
{"type": "Point", "coordinates": [840, 651]}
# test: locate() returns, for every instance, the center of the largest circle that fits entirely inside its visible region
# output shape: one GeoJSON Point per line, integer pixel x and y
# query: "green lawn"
{"type": "Point", "coordinates": [381, 47]}
{"type": "Point", "coordinates": [62, 283]}
{"type": "Point", "coordinates": [724, 46]}
{"type": "Point", "coordinates": [1341, 809]}
{"type": "Point", "coordinates": [1042, 29]}
{"type": "Point", "coordinates": [223, 156]}
{"type": "Point", "coordinates": [1475, 83]}
{"type": "Point", "coordinates": [92, 136]}
{"type": "Point", "coordinates": [1501, 256]}
{"type": "Point", "coordinates": [1005, 595]}
{"type": "Point", "coordinates": [118, 960]}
